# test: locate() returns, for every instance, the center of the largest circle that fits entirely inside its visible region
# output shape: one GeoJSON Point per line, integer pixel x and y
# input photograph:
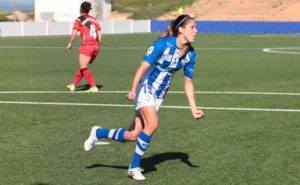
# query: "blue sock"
{"type": "Point", "coordinates": [115, 134]}
{"type": "Point", "coordinates": [102, 133]}
{"type": "Point", "coordinates": [141, 146]}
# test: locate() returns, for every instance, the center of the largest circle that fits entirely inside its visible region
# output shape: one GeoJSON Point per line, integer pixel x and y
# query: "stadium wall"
{"type": "Point", "coordinates": [8, 29]}
{"type": "Point", "coordinates": [145, 26]}
{"type": "Point", "coordinates": [236, 27]}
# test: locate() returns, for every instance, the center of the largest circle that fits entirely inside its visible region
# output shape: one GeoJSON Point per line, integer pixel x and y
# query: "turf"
{"type": "Point", "coordinates": [43, 144]}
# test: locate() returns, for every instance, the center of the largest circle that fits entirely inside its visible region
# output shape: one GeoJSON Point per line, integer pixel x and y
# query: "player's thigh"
{"type": "Point", "coordinates": [94, 54]}
{"type": "Point", "coordinates": [87, 54]}
{"type": "Point", "coordinates": [84, 60]}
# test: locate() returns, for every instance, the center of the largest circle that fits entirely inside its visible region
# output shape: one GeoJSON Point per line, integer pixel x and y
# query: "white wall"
{"type": "Point", "coordinates": [68, 10]}
{"type": "Point", "coordinates": [9, 29]}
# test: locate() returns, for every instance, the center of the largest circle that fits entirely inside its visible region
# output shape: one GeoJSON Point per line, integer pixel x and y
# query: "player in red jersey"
{"type": "Point", "coordinates": [90, 32]}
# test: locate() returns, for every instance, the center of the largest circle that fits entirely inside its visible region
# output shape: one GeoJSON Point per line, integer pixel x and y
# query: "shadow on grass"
{"type": "Point", "coordinates": [149, 163]}
{"type": "Point", "coordinates": [86, 87]}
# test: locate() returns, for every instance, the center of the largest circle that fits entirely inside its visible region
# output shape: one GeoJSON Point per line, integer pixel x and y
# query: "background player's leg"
{"type": "Point", "coordinates": [83, 63]}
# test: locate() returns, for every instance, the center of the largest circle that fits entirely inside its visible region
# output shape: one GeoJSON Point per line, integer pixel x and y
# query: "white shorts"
{"type": "Point", "coordinates": [145, 97]}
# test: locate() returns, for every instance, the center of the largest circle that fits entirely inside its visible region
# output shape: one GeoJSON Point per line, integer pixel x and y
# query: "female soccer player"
{"type": "Point", "coordinates": [90, 32]}
{"type": "Point", "coordinates": [151, 82]}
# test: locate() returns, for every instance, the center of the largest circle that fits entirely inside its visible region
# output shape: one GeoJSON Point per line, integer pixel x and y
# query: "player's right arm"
{"type": "Point", "coordinates": [76, 28]}
{"type": "Point", "coordinates": [72, 38]}
{"type": "Point", "coordinates": [151, 56]}
{"type": "Point", "coordinates": [137, 78]}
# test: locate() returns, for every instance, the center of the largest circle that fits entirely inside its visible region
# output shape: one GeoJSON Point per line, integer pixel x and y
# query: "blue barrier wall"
{"type": "Point", "coordinates": [236, 27]}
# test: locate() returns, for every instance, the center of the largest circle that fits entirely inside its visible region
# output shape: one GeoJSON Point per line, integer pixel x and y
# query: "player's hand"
{"type": "Point", "coordinates": [69, 47]}
{"type": "Point", "coordinates": [197, 113]}
{"type": "Point", "coordinates": [131, 96]}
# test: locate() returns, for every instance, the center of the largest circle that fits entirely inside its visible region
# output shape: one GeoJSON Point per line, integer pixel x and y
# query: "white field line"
{"type": "Point", "coordinates": [124, 48]}
{"type": "Point", "coordinates": [268, 50]}
{"type": "Point", "coordinates": [169, 107]}
{"type": "Point", "coordinates": [283, 50]}
{"type": "Point", "coordinates": [170, 92]}
{"type": "Point", "coordinates": [277, 35]}
{"type": "Point", "coordinates": [31, 47]}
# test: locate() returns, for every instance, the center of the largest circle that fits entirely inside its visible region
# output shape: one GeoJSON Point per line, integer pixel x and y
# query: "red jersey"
{"type": "Point", "coordinates": [88, 28]}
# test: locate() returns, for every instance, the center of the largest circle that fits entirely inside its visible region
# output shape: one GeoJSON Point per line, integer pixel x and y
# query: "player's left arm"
{"type": "Point", "coordinates": [189, 85]}
{"type": "Point", "coordinates": [190, 93]}
{"type": "Point", "coordinates": [98, 31]}
{"type": "Point", "coordinates": [99, 35]}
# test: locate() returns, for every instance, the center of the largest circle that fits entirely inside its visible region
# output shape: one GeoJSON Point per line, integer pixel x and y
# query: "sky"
{"type": "Point", "coordinates": [7, 5]}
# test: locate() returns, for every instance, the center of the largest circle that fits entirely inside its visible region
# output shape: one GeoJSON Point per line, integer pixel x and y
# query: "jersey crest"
{"type": "Point", "coordinates": [150, 50]}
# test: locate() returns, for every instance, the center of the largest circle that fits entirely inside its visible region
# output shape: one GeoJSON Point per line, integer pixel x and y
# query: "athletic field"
{"type": "Point", "coordinates": [248, 86]}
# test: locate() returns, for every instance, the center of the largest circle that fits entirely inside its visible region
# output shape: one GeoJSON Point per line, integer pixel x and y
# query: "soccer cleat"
{"type": "Point", "coordinates": [91, 140]}
{"type": "Point", "coordinates": [93, 89]}
{"type": "Point", "coordinates": [136, 174]}
{"type": "Point", "coordinates": [71, 87]}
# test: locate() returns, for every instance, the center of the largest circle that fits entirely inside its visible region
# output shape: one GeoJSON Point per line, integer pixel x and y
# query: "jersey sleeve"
{"type": "Point", "coordinates": [189, 67]}
{"type": "Point", "coordinates": [98, 27]}
{"type": "Point", "coordinates": [155, 51]}
{"type": "Point", "coordinates": [77, 24]}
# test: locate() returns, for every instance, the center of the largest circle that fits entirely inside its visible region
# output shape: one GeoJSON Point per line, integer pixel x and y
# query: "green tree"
{"type": "Point", "coordinates": [3, 17]}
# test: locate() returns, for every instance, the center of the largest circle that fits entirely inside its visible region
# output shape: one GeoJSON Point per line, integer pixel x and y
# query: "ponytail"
{"type": "Point", "coordinates": [168, 32]}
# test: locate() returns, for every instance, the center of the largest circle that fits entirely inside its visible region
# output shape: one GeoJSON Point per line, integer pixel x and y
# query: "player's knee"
{"type": "Point", "coordinates": [83, 66]}
{"type": "Point", "coordinates": [153, 127]}
{"type": "Point", "coordinates": [133, 136]}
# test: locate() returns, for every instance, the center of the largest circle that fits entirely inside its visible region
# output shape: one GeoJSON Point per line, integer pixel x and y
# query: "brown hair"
{"type": "Point", "coordinates": [172, 30]}
{"type": "Point", "coordinates": [85, 7]}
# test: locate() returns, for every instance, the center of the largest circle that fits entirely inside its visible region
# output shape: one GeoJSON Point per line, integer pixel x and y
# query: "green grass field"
{"type": "Point", "coordinates": [249, 136]}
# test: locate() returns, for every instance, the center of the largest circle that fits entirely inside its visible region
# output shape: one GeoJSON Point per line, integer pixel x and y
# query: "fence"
{"type": "Point", "coordinates": [64, 28]}
{"type": "Point", "coordinates": [146, 26]}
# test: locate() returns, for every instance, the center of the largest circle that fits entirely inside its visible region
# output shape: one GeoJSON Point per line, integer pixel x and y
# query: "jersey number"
{"type": "Point", "coordinates": [93, 32]}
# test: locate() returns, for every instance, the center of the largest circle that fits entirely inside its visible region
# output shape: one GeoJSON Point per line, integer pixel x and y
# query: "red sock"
{"type": "Point", "coordinates": [77, 77]}
{"type": "Point", "coordinates": [88, 76]}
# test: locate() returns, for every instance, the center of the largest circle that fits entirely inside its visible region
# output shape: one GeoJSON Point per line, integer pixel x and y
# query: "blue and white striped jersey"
{"type": "Point", "coordinates": [163, 56]}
